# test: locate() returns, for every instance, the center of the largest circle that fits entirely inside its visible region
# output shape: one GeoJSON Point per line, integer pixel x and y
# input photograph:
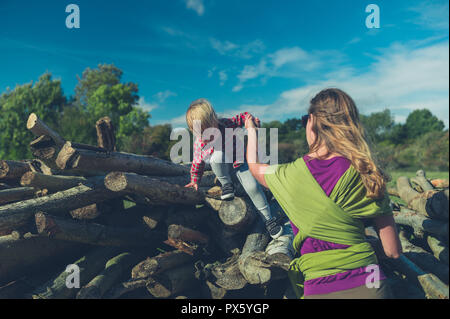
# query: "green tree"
{"type": "Point", "coordinates": [420, 122]}
{"type": "Point", "coordinates": [378, 125]}
{"type": "Point", "coordinates": [100, 93]}
{"type": "Point", "coordinates": [45, 98]}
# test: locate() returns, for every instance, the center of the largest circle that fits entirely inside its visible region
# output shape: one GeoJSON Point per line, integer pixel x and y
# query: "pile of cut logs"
{"type": "Point", "coordinates": [121, 225]}
{"type": "Point", "coordinates": [84, 221]}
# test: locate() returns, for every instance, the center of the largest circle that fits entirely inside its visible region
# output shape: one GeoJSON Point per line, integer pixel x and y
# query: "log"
{"type": "Point", "coordinates": [160, 263]}
{"type": "Point", "coordinates": [95, 234]}
{"type": "Point", "coordinates": [16, 194]}
{"type": "Point", "coordinates": [190, 249]}
{"type": "Point", "coordinates": [213, 291]}
{"type": "Point", "coordinates": [182, 180]}
{"type": "Point", "coordinates": [38, 128]}
{"type": "Point", "coordinates": [89, 265]}
{"type": "Point", "coordinates": [172, 281]}
{"type": "Point", "coordinates": [15, 215]}
{"type": "Point", "coordinates": [423, 259]}
{"type": "Point", "coordinates": [10, 170]}
{"type": "Point", "coordinates": [252, 270]}
{"type": "Point", "coordinates": [187, 216]}
{"type": "Point", "coordinates": [439, 248]}
{"type": "Point", "coordinates": [4, 186]}
{"type": "Point", "coordinates": [39, 166]}
{"type": "Point", "coordinates": [393, 192]}
{"type": "Point", "coordinates": [440, 183]}
{"type": "Point", "coordinates": [422, 181]}
{"type": "Point", "coordinates": [106, 137]}
{"type": "Point", "coordinates": [420, 223]}
{"type": "Point", "coordinates": [52, 183]}
{"type": "Point", "coordinates": [237, 215]}
{"type": "Point", "coordinates": [82, 159]}
{"type": "Point", "coordinates": [227, 275]}
{"type": "Point", "coordinates": [179, 232]}
{"type": "Point", "coordinates": [115, 269]}
{"type": "Point", "coordinates": [125, 287]}
{"type": "Point", "coordinates": [156, 191]}
{"type": "Point", "coordinates": [45, 149]}
{"type": "Point", "coordinates": [433, 204]}
{"type": "Point", "coordinates": [431, 285]}
{"type": "Point", "coordinates": [88, 212]}
{"type": "Point", "coordinates": [30, 253]}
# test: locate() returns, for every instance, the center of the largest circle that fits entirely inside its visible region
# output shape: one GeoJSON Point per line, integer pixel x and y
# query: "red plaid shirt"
{"type": "Point", "coordinates": [201, 151]}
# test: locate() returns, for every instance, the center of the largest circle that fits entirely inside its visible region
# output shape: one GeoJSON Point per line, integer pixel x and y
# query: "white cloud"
{"type": "Point", "coordinates": [431, 15]}
{"type": "Point", "coordinates": [286, 62]}
{"type": "Point", "coordinates": [243, 51]}
{"type": "Point", "coordinates": [164, 95]}
{"type": "Point", "coordinates": [402, 78]}
{"type": "Point", "coordinates": [223, 77]}
{"type": "Point", "coordinates": [196, 5]}
{"type": "Point", "coordinates": [148, 107]}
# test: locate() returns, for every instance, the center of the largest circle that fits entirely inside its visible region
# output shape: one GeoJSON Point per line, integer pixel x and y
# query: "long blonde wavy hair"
{"type": "Point", "coordinates": [337, 126]}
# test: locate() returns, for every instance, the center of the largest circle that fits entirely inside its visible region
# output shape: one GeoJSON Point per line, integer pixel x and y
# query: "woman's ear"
{"type": "Point", "coordinates": [310, 136]}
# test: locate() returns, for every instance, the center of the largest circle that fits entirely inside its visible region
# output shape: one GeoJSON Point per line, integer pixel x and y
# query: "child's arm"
{"type": "Point", "coordinates": [198, 165]}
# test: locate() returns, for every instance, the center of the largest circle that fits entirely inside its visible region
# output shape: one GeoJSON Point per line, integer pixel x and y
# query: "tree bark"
{"type": "Point", "coordinates": [160, 263]}
{"type": "Point", "coordinates": [156, 191]}
{"type": "Point", "coordinates": [252, 270]}
{"type": "Point", "coordinates": [54, 183]}
{"type": "Point", "coordinates": [10, 170]}
{"type": "Point", "coordinates": [237, 215]}
{"type": "Point", "coordinates": [190, 249]}
{"type": "Point", "coordinates": [90, 265]}
{"type": "Point", "coordinates": [38, 128]}
{"type": "Point", "coordinates": [172, 281]}
{"type": "Point", "coordinates": [82, 159]}
{"type": "Point", "coordinates": [433, 204]}
{"type": "Point", "coordinates": [95, 234]}
{"type": "Point", "coordinates": [423, 259]}
{"type": "Point", "coordinates": [125, 287]}
{"type": "Point", "coordinates": [18, 214]}
{"type": "Point", "coordinates": [422, 181]}
{"type": "Point", "coordinates": [28, 254]}
{"type": "Point", "coordinates": [432, 286]}
{"type": "Point", "coordinates": [16, 194]}
{"type": "Point", "coordinates": [227, 275]}
{"type": "Point", "coordinates": [440, 183]}
{"type": "Point", "coordinates": [179, 232]}
{"type": "Point", "coordinates": [39, 166]}
{"type": "Point", "coordinates": [182, 180]}
{"type": "Point", "coordinates": [114, 270]}
{"type": "Point", "coordinates": [439, 248]}
{"type": "Point", "coordinates": [106, 137]}
{"type": "Point", "coordinates": [420, 223]}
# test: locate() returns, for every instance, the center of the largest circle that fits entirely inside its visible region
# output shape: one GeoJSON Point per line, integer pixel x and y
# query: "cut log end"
{"type": "Point", "coordinates": [116, 181]}
{"type": "Point", "coordinates": [32, 119]}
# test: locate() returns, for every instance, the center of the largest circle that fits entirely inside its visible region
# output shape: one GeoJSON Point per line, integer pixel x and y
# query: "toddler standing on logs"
{"type": "Point", "coordinates": [202, 120]}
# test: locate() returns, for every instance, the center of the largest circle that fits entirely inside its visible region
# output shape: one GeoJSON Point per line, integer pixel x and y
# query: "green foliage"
{"type": "Point", "coordinates": [154, 140]}
{"type": "Point", "coordinates": [420, 122]}
{"type": "Point", "coordinates": [45, 98]}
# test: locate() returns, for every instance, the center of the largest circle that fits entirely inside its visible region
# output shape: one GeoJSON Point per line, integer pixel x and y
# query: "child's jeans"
{"type": "Point", "coordinates": [251, 186]}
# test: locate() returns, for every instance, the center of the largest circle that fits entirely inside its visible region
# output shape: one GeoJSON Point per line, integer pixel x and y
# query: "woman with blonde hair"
{"type": "Point", "coordinates": [326, 194]}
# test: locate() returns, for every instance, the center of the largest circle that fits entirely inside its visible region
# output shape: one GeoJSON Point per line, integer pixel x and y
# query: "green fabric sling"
{"type": "Point", "coordinates": [337, 219]}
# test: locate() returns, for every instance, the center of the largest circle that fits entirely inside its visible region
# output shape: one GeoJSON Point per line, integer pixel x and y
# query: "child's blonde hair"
{"type": "Point", "coordinates": [201, 110]}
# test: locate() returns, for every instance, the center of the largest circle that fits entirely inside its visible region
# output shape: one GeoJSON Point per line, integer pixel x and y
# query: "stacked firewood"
{"type": "Point", "coordinates": [422, 217]}
{"type": "Point", "coordinates": [84, 221]}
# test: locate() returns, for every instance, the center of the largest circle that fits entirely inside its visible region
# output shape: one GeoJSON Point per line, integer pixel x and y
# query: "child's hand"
{"type": "Point", "coordinates": [192, 184]}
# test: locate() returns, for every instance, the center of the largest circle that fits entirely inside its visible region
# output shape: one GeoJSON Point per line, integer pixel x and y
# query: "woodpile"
{"type": "Point", "coordinates": [422, 216]}
{"type": "Point", "coordinates": [84, 221]}
{"type": "Point", "coordinates": [126, 227]}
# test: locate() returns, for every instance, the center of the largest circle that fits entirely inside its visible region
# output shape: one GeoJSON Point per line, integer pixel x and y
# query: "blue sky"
{"type": "Point", "coordinates": [266, 57]}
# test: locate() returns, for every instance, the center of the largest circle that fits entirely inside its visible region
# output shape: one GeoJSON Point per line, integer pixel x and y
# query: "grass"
{"type": "Point", "coordinates": [396, 174]}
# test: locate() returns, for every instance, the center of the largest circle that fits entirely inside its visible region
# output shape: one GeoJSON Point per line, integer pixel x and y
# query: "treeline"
{"type": "Point", "coordinates": [421, 142]}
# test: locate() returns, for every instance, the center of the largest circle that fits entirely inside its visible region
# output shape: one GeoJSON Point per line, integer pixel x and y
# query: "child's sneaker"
{"type": "Point", "coordinates": [227, 191]}
{"type": "Point", "coordinates": [273, 228]}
